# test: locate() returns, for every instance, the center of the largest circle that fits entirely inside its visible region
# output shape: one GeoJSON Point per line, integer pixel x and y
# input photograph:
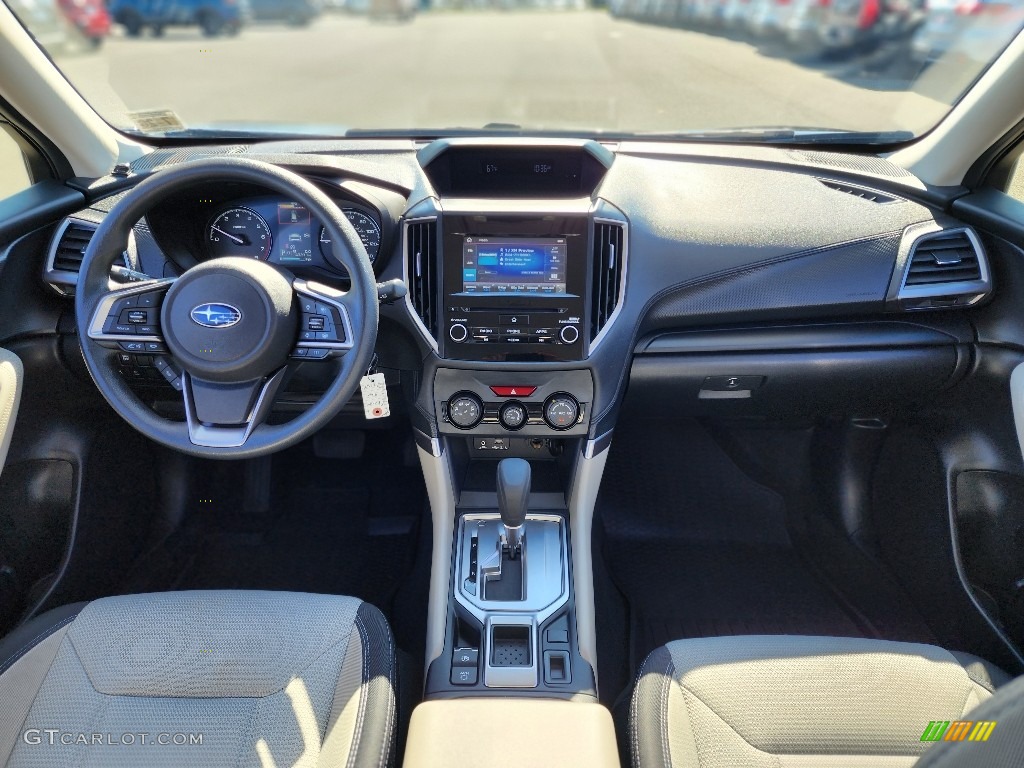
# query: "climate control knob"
{"type": "Point", "coordinates": [569, 334]}
{"type": "Point", "coordinates": [465, 410]}
{"type": "Point", "coordinates": [561, 411]}
{"type": "Point", "coordinates": [458, 332]}
{"type": "Point", "coordinates": [512, 415]}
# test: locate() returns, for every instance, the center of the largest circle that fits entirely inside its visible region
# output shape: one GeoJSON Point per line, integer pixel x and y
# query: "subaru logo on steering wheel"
{"type": "Point", "coordinates": [215, 315]}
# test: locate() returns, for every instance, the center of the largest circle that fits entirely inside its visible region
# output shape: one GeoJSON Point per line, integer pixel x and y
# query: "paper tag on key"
{"type": "Point", "coordinates": [375, 396]}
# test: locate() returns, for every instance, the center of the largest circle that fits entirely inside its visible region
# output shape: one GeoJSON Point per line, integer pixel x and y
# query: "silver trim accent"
{"type": "Point", "coordinates": [624, 258]}
{"type": "Point", "coordinates": [228, 437]}
{"type": "Point", "coordinates": [318, 291]}
{"type": "Point", "coordinates": [99, 316]}
{"type": "Point", "coordinates": [545, 566]}
{"type": "Point", "coordinates": [511, 677]}
{"type": "Point", "coordinates": [417, 320]}
{"type": "Point", "coordinates": [975, 290]}
{"type": "Point", "coordinates": [60, 277]}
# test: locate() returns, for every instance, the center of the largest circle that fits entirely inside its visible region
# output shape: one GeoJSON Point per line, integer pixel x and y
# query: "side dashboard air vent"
{"type": "Point", "coordinates": [609, 270]}
{"type": "Point", "coordinates": [66, 253]}
{"type": "Point", "coordinates": [947, 268]}
{"type": "Point", "coordinates": [422, 273]}
{"type": "Point", "coordinates": [871, 195]}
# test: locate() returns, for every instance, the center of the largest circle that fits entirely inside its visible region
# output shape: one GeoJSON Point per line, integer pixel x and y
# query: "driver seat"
{"type": "Point", "coordinates": [204, 678]}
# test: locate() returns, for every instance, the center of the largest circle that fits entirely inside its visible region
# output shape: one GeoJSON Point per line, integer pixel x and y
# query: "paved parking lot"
{"type": "Point", "coordinates": [450, 69]}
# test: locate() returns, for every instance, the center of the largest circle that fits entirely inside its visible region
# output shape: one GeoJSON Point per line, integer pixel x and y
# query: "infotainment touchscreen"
{"type": "Point", "coordinates": [510, 265]}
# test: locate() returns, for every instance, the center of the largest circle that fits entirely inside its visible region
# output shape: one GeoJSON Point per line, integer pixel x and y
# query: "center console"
{"type": "Point", "coordinates": [515, 270]}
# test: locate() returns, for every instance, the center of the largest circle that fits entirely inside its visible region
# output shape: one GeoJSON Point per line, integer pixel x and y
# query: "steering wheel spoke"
{"type": "Point", "coordinates": [128, 319]}
{"type": "Point", "coordinates": [325, 326]}
{"type": "Point", "coordinates": [225, 415]}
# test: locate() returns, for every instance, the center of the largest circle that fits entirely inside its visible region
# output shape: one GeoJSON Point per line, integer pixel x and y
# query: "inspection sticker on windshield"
{"type": "Point", "coordinates": [375, 396]}
{"type": "Point", "coordinates": [156, 121]}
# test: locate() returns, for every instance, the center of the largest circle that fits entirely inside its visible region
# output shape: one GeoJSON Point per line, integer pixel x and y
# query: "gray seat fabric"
{"type": "Point", "coordinates": [797, 702]}
{"type": "Point", "coordinates": [208, 678]}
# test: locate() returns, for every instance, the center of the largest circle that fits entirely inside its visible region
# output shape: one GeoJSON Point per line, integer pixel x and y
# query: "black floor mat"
{"type": "Point", "coordinates": [335, 526]}
{"type": "Point", "coordinates": [698, 549]}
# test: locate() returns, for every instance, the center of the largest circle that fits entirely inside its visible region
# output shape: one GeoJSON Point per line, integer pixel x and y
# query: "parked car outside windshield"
{"type": "Point", "coordinates": [830, 71]}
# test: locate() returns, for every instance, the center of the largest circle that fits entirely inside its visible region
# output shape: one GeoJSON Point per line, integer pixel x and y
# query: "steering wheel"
{"type": "Point", "coordinates": [224, 332]}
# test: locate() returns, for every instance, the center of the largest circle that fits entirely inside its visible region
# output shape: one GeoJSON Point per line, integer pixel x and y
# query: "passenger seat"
{"type": "Point", "coordinates": [797, 702]}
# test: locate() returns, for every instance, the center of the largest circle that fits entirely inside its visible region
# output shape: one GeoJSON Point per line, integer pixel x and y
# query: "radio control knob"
{"type": "Point", "coordinates": [458, 333]}
{"type": "Point", "coordinates": [569, 334]}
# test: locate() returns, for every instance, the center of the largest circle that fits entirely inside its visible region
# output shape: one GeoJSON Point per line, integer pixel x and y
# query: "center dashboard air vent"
{"type": "Point", "coordinates": [66, 253]}
{"type": "Point", "coordinates": [421, 271]}
{"type": "Point", "coordinates": [946, 268]}
{"type": "Point", "coordinates": [609, 263]}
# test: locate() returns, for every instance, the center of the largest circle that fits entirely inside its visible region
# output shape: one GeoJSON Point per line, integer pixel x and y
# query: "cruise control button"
{"type": "Point", "coordinates": [316, 322]}
{"type": "Point", "coordinates": [318, 354]}
{"type": "Point", "coordinates": [299, 352]}
{"type": "Point", "coordinates": [307, 336]}
{"type": "Point", "coordinates": [326, 336]}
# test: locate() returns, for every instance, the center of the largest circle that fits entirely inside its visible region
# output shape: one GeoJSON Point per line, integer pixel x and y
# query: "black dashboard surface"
{"type": "Point", "coordinates": [717, 237]}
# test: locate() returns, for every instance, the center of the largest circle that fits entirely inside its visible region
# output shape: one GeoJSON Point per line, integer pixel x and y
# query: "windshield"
{"type": "Point", "coordinates": [872, 71]}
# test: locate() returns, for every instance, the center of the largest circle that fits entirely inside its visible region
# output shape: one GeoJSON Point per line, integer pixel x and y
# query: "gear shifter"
{"type": "Point", "coordinates": [513, 500]}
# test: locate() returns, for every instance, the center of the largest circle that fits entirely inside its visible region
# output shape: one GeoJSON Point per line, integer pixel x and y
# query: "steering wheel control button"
{"type": "Point", "coordinates": [561, 411]}
{"type": "Point", "coordinates": [316, 322]}
{"type": "Point", "coordinates": [512, 415]}
{"type": "Point", "coordinates": [151, 299]}
{"type": "Point", "coordinates": [520, 391]}
{"type": "Point", "coordinates": [133, 346]}
{"type": "Point", "coordinates": [458, 333]}
{"type": "Point", "coordinates": [569, 334]}
{"type": "Point", "coordinates": [465, 410]}
{"type": "Point", "coordinates": [156, 348]}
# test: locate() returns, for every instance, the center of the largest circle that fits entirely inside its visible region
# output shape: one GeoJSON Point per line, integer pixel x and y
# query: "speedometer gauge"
{"type": "Point", "coordinates": [367, 229]}
{"type": "Point", "coordinates": [239, 232]}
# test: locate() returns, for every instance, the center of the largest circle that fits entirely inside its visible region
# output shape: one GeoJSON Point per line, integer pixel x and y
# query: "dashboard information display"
{"type": "Point", "coordinates": [294, 237]}
{"type": "Point", "coordinates": [533, 267]}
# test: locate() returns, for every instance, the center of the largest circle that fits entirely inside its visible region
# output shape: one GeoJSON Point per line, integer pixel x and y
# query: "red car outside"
{"type": "Point", "coordinates": [89, 17]}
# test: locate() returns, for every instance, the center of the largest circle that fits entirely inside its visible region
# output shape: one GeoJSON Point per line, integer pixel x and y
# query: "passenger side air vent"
{"type": "Point", "coordinates": [66, 253]}
{"type": "Point", "coordinates": [945, 269]}
{"type": "Point", "coordinates": [422, 275]}
{"type": "Point", "coordinates": [609, 269]}
{"type": "Point", "coordinates": [871, 195]}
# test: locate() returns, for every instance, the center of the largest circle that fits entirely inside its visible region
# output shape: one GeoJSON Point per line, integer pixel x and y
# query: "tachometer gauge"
{"type": "Point", "coordinates": [366, 227]}
{"type": "Point", "coordinates": [239, 232]}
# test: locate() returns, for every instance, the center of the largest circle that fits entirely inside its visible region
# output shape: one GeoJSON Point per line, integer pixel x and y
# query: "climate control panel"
{"type": "Point", "coordinates": [520, 403]}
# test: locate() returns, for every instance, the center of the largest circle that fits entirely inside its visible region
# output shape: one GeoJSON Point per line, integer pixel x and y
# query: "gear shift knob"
{"type": "Point", "coordinates": [513, 500]}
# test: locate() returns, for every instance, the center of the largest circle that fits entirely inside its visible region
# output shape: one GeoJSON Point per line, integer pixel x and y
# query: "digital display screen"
{"type": "Point", "coordinates": [535, 266]}
{"type": "Point", "coordinates": [294, 234]}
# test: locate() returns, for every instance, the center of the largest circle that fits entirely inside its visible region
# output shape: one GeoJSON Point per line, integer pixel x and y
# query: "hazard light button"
{"type": "Point", "coordinates": [513, 391]}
